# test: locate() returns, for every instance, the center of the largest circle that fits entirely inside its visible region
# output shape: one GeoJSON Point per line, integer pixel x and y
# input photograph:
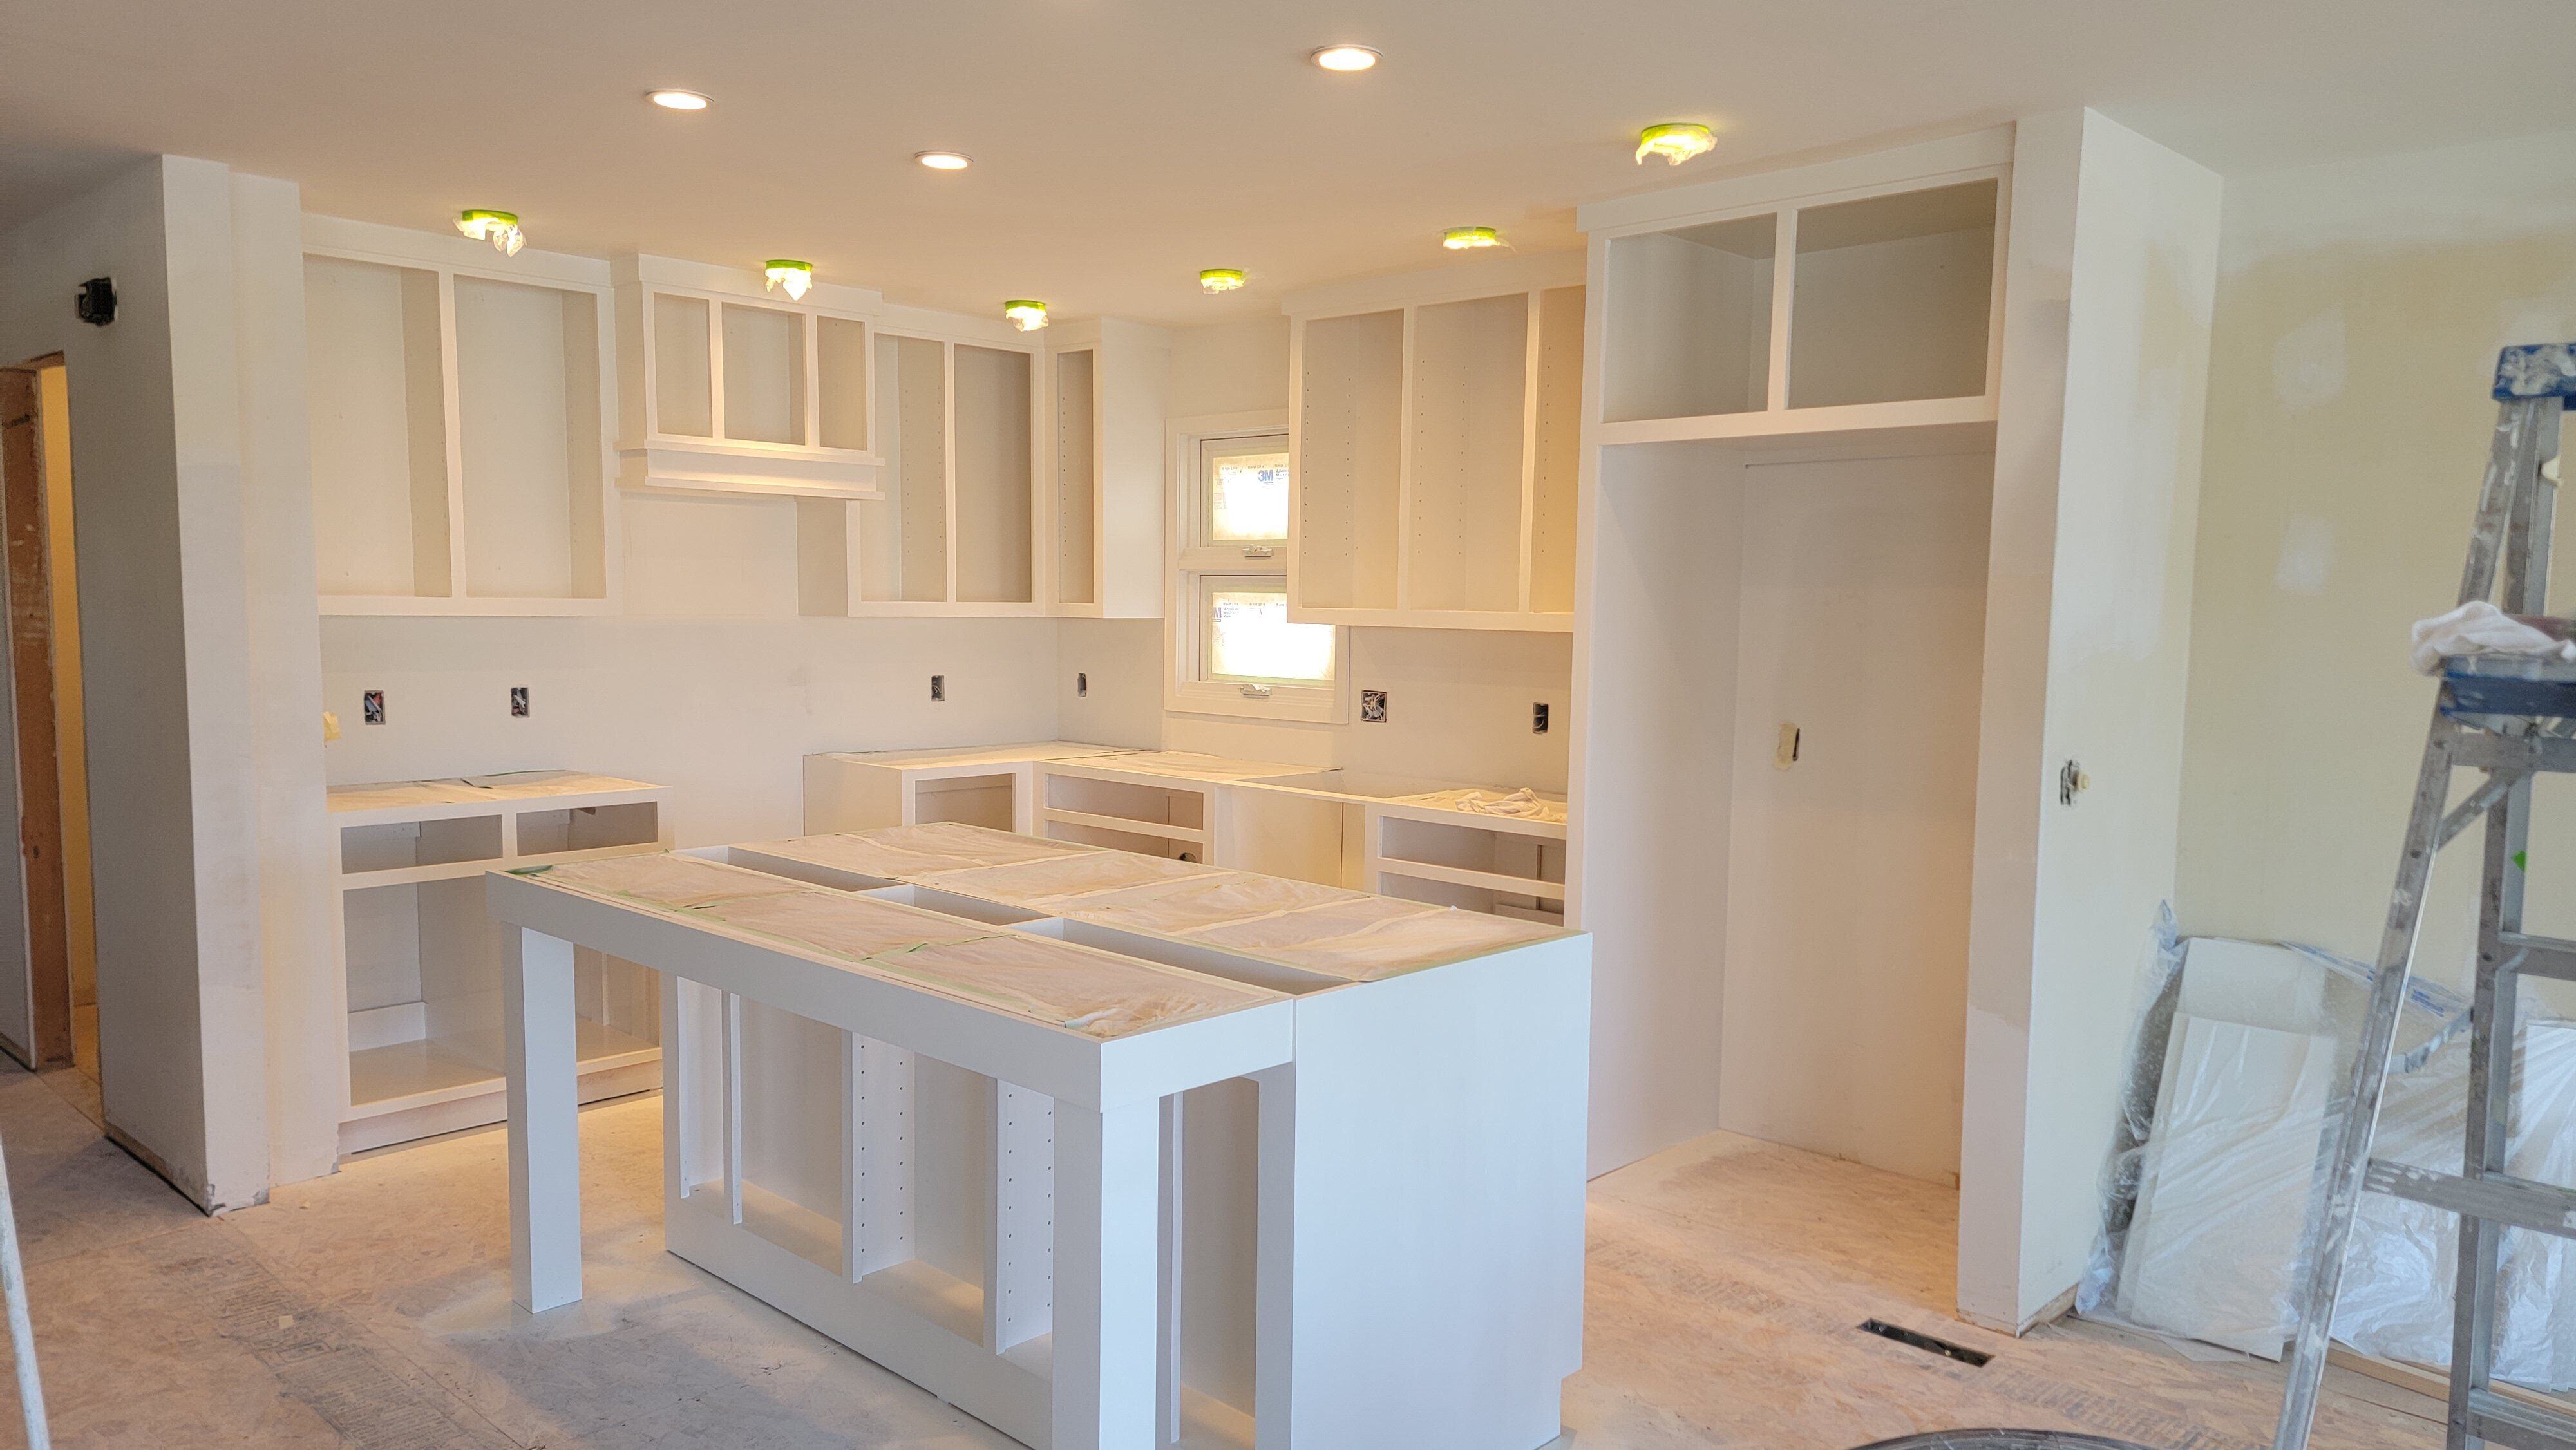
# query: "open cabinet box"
{"type": "Point", "coordinates": [1435, 422]}
{"type": "Point", "coordinates": [421, 962]}
{"type": "Point", "coordinates": [459, 426]}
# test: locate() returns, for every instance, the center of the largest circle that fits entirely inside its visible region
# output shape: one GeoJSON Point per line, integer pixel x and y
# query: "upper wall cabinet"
{"type": "Point", "coordinates": [952, 525]}
{"type": "Point", "coordinates": [460, 433]}
{"type": "Point", "coordinates": [1106, 486]}
{"type": "Point", "coordinates": [726, 388]}
{"type": "Point", "coordinates": [1869, 306]}
{"type": "Point", "coordinates": [1435, 421]}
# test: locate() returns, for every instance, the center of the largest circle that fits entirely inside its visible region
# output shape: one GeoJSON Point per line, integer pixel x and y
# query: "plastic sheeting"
{"type": "Point", "coordinates": [2239, 1060]}
{"type": "Point", "coordinates": [1097, 993]}
{"type": "Point", "coordinates": [901, 853]}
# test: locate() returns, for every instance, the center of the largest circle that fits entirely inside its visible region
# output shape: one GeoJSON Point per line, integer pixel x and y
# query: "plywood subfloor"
{"type": "Point", "coordinates": [372, 1309]}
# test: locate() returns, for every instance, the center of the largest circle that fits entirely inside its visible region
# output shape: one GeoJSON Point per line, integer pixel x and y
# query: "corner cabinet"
{"type": "Point", "coordinates": [460, 425]}
{"type": "Point", "coordinates": [1111, 381]}
{"type": "Point", "coordinates": [1436, 424]}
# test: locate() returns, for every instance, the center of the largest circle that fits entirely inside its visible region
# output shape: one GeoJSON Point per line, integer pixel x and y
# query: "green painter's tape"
{"type": "Point", "coordinates": [530, 870]}
{"type": "Point", "coordinates": [2522, 860]}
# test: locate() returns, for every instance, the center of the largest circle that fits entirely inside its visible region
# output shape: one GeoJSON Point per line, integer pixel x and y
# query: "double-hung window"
{"type": "Point", "coordinates": [1235, 651]}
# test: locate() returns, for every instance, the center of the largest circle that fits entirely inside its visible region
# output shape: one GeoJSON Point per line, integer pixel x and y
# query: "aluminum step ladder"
{"type": "Point", "coordinates": [2510, 719]}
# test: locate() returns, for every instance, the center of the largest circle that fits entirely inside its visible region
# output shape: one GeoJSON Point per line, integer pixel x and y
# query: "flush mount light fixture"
{"type": "Point", "coordinates": [943, 160]}
{"type": "Point", "coordinates": [1026, 315]}
{"type": "Point", "coordinates": [1468, 239]}
{"type": "Point", "coordinates": [1675, 141]}
{"type": "Point", "coordinates": [1221, 279]}
{"type": "Point", "coordinates": [797, 277]}
{"type": "Point", "coordinates": [1345, 57]}
{"type": "Point", "coordinates": [500, 228]}
{"type": "Point", "coordinates": [673, 100]}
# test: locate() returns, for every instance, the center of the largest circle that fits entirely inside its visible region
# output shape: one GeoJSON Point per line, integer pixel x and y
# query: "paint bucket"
{"type": "Point", "coordinates": [2001, 1440]}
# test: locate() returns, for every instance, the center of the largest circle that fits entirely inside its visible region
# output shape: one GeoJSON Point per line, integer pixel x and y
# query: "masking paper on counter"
{"type": "Point", "coordinates": [1049, 883]}
{"type": "Point", "coordinates": [901, 853]}
{"type": "Point", "coordinates": [1098, 994]}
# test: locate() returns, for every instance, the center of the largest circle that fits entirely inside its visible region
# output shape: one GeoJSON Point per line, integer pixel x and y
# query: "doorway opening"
{"type": "Point", "coordinates": [49, 1016]}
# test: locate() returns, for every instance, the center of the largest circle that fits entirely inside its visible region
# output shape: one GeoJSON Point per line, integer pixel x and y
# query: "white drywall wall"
{"type": "Point", "coordinates": [158, 428]}
{"type": "Point", "coordinates": [284, 681]}
{"type": "Point", "coordinates": [1654, 769]}
{"type": "Point", "coordinates": [2108, 304]}
{"type": "Point", "coordinates": [722, 710]}
{"type": "Point", "coordinates": [1846, 954]}
{"type": "Point", "coordinates": [2360, 311]}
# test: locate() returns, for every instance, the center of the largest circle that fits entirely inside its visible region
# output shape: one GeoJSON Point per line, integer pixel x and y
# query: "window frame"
{"type": "Point", "coordinates": [1185, 689]}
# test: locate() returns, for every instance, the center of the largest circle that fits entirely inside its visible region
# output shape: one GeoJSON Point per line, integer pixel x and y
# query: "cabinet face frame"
{"type": "Point", "coordinates": [456, 599]}
{"type": "Point", "coordinates": [643, 434]}
{"type": "Point", "coordinates": [1968, 160]}
{"type": "Point", "coordinates": [1039, 483]}
{"type": "Point", "coordinates": [1532, 279]}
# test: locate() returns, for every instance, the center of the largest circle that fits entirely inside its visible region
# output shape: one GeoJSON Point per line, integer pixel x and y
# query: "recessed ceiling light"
{"type": "Point", "coordinates": [500, 228]}
{"type": "Point", "coordinates": [943, 160]}
{"type": "Point", "coordinates": [797, 277]}
{"type": "Point", "coordinates": [1675, 141]}
{"type": "Point", "coordinates": [1025, 314]}
{"type": "Point", "coordinates": [1344, 57]}
{"type": "Point", "coordinates": [1467, 239]}
{"type": "Point", "coordinates": [1221, 279]}
{"type": "Point", "coordinates": [679, 100]}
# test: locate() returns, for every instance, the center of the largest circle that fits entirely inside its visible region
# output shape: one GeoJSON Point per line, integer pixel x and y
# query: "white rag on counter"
{"type": "Point", "coordinates": [1524, 804]}
{"type": "Point", "coordinates": [2479, 628]}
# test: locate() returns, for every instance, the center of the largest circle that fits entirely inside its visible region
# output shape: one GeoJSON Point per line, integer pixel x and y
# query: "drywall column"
{"type": "Point", "coordinates": [305, 1065]}
{"type": "Point", "coordinates": [2111, 271]}
{"type": "Point", "coordinates": [158, 444]}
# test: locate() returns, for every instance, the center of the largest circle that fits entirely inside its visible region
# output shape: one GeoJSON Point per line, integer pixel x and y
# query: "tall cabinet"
{"type": "Point", "coordinates": [1889, 476]}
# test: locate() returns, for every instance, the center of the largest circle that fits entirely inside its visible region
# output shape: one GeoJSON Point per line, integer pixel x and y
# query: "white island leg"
{"type": "Point", "coordinates": [545, 1127]}
{"type": "Point", "coordinates": [1108, 1220]}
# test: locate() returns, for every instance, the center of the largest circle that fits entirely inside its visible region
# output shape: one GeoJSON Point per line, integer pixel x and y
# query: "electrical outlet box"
{"type": "Point", "coordinates": [938, 688]}
{"type": "Point", "coordinates": [1538, 717]}
{"type": "Point", "coordinates": [1373, 706]}
{"type": "Point", "coordinates": [1081, 685]}
{"type": "Point", "coordinates": [518, 702]}
{"type": "Point", "coordinates": [372, 704]}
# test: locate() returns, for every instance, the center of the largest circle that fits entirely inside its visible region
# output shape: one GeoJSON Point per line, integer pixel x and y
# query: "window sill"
{"type": "Point", "coordinates": [1286, 704]}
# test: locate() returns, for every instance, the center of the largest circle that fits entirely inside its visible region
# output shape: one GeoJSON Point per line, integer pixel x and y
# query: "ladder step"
{"type": "Point", "coordinates": [2543, 956]}
{"type": "Point", "coordinates": [2542, 1207]}
{"type": "Point", "coordinates": [2481, 750]}
{"type": "Point", "coordinates": [2514, 1425]}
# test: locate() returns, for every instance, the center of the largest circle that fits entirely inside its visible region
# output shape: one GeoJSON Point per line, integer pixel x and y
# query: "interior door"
{"type": "Point", "coordinates": [1854, 805]}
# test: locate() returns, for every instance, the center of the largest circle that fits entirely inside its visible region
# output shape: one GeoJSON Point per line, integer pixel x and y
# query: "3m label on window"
{"type": "Point", "coordinates": [1246, 635]}
{"type": "Point", "coordinates": [1246, 491]}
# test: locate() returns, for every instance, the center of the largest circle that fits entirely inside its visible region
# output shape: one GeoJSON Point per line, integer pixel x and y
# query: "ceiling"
{"type": "Point", "coordinates": [1121, 145]}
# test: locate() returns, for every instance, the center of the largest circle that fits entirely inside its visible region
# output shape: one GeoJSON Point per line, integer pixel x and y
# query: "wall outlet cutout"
{"type": "Point", "coordinates": [1538, 717]}
{"type": "Point", "coordinates": [1081, 685]}
{"type": "Point", "coordinates": [938, 688]}
{"type": "Point", "coordinates": [519, 702]}
{"type": "Point", "coordinates": [372, 706]}
{"type": "Point", "coordinates": [1373, 707]}
{"type": "Point", "coordinates": [1785, 754]}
